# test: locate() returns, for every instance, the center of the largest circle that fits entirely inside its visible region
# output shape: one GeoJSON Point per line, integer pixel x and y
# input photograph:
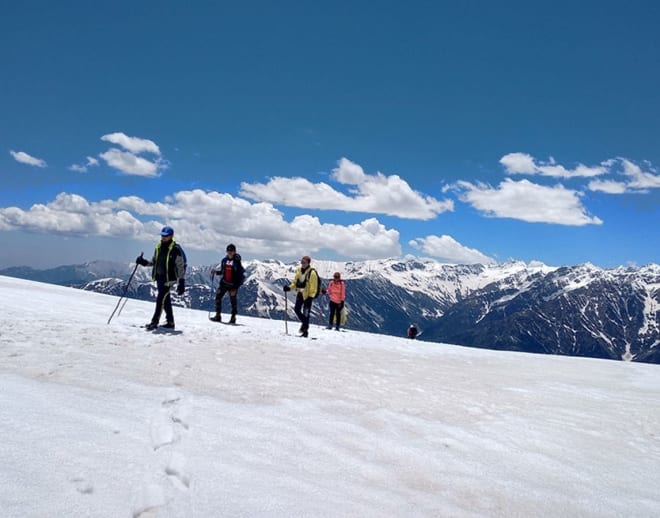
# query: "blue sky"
{"type": "Point", "coordinates": [464, 131]}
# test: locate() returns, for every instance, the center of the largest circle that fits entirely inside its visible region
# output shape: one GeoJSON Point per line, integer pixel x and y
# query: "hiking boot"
{"type": "Point", "coordinates": [169, 325]}
{"type": "Point", "coordinates": [151, 326]}
{"type": "Point", "coordinates": [216, 318]}
{"type": "Point", "coordinates": [304, 334]}
{"type": "Point", "coordinates": [232, 320]}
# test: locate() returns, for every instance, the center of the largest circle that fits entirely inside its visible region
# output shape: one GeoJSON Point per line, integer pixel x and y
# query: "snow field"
{"type": "Point", "coordinates": [216, 420]}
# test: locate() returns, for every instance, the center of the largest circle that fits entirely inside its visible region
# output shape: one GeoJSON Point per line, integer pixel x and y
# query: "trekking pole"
{"type": "Point", "coordinates": [212, 290]}
{"type": "Point", "coordinates": [322, 302]}
{"type": "Point", "coordinates": [125, 290]}
{"type": "Point", "coordinates": [125, 301]}
{"type": "Point", "coordinates": [286, 313]}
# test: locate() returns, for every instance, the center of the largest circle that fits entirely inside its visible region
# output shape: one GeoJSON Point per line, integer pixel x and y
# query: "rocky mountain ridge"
{"type": "Point", "coordinates": [578, 310]}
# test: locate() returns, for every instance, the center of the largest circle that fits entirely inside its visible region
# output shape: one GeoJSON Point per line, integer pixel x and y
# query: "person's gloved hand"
{"type": "Point", "coordinates": [324, 291]}
{"type": "Point", "coordinates": [213, 272]}
{"type": "Point", "coordinates": [181, 287]}
{"type": "Point", "coordinates": [142, 261]}
{"type": "Point", "coordinates": [287, 288]}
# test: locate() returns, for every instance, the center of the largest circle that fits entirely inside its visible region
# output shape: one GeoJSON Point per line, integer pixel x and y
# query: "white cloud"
{"type": "Point", "coordinates": [205, 221]}
{"type": "Point", "coordinates": [131, 164]}
{"type": "Point", "coordinates": [446, 248]}
{"type": "Point", "coordinates": [135, 145]}
{"type": "Point", "coordinates": [128, 161]}
{"type": "Point", "coordinates": [527, 201]}
{"type": "Point", "coordinates": [82, 168]}
{"type": "Point", "coordinates": [523, 163]}
{"type": "Point", "coordinates": [70, 214]}
{"type": "Point", "coordinates": [629, 178]}
{"type": "Point", "coordinates": [607, 186]}
{"type": "Point", "coordinates": [639, 179]}
{"type": "Point", "coordinates": [24, 158]}
{"type": "Point", "coordinates": [350, 173]}
{"type": "Point", "coordinates": [376, 194]}
{"type": "Point", "coordinates": [518, 163]}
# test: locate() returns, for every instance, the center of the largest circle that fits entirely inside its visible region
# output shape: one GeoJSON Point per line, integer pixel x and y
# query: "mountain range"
{"type": "Point", "coordinates": [580, 310]}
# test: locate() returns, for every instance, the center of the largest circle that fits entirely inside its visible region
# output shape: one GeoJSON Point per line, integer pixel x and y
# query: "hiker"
{"type": "Point", "coordinates": [168, 269]}
{"type": "Point", "coordinates": [232, 275]}
{"type": "Point", "coordinates": [336, 290]}
{"type": "Point", "coordinates": [412, 331]}
{"type": "Point", "coordinates": [306, 283]}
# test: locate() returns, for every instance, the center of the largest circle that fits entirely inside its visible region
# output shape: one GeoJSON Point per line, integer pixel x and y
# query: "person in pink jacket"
{"type": "Point", "coordinates": [337, 292]}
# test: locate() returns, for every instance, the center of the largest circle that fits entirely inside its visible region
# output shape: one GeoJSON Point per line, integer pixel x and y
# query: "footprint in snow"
{"type": "Point", "coordinates": [162, 432]}
{"type": "Point", "coordinates": [176, 471]}
{"type": "Point", "coordinates": [83, 486]}
{"type": "Point", "coordinates": [150, 499]}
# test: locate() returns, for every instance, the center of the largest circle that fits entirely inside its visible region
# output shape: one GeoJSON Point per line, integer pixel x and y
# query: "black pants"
{"type": "Point", "coordinates": [303, 308]}
{"type": "Point", "coordinates": [233, 299]}
{"type": "Point", "coordinates": [335, 309]}
{"type": "Point", "coordinates": [163, 301]}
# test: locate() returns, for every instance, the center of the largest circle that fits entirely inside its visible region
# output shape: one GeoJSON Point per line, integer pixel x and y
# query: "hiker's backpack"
{"type": "Point", "coordinates": [319, 285]}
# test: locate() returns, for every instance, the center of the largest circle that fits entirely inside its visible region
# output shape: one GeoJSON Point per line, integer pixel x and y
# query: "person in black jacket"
{"type": "Point", "coordinates": [168, 269]}
{"type": "Point", "coordinates": [232, 275]}
{"type": "Point", "coordinates": [412, 331]}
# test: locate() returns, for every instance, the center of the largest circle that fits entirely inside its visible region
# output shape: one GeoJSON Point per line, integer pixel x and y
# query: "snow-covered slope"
{"type": "Point", "coordinates": [213, 420]}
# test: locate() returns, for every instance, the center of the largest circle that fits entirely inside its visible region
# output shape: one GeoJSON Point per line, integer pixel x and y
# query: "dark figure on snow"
{"type": "Point", "coordinates": [169, 269]}
{"type": "Point", "coordinates": [412, 331]}
{"type": "Point", "coordinates": [232, 275]}
{"type": "Point", "coordinates": [306, 284]}
{"type": "Point", "coordinates": [337, 292]}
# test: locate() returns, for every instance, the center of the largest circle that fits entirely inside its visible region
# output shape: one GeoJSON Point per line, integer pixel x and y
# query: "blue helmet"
{"type": "Point", "coordinates": [167, 231]}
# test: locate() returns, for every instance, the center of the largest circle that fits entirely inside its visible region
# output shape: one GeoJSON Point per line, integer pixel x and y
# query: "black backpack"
{"type": "Point", "coordinates": [319, 285]}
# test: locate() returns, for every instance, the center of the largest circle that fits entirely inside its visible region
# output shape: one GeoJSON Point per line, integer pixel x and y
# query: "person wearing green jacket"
{"type": "Point", "coordinates": [168, 270]}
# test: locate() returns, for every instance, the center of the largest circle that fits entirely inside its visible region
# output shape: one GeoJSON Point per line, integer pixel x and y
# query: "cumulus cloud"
{"type": "Point", "coordinates": [638, 178]}
{"type": "Point", "coordinates": [24, 158]}
{"type": "Point", "coordinates": [82, 168]}
{"type": "Point", "coordinates": [527, 201]}
{"type": "Point", "coordinates": [131, 164]}
{"type": "Point", "coordinates": [446, 248]}
{"type": "Point", "coordinates": [70, 214]}
{"type": "Point", "coordinates": [128, 161]}
{"type": "Point", "coordinates": [522, 163]}
{"type": "Point", "coordinates": [135, 145]}
{"type": "Point", "coordinates": [371, 193]}
{"type": "Point", "coordinates": [607, 186]}
{"type": "Point", "coordinates": [204, 221]}
{"type": "Point", "coordinates": [635, 178]}
{"type": "Point", "coordinates": [627, 177]}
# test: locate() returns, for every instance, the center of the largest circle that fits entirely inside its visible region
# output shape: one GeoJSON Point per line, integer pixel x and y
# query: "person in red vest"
{"type": "Point", "coordinates": [337, 292]}
{"type": "Point", "coordinates": [232, 275]}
